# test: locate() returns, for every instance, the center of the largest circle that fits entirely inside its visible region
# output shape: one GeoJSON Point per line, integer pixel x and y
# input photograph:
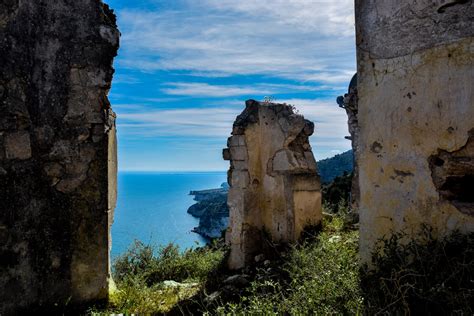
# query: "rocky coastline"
{"type": "Point", "coordinates": [212, 211]}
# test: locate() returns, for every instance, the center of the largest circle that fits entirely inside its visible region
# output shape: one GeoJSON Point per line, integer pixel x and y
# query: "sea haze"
{"type": "Point", "coordinates": [151, 207]}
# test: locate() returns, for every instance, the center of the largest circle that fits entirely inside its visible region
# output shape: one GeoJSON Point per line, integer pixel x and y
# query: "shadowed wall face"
{"type": "Point", "coordinates": [416, 117]}
{"type": "Point", "coordinates": [349, 103]}
{"type": "Point", "coordinates": [274, 185]}
{"type": "Point", "coordinates": [57, 152]}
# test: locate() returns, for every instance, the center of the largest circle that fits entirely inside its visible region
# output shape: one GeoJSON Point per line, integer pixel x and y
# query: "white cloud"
{"type": "Point", "coordinates": [207, 90]}
{"type": "Point", "coordinates": [328, 17]}
{"type": "Point", "coordinates": [125, 79]}
{"type": "Point", "coordinates": [207, 122]}
{"type": "Point", "coordinates": [329, 119]}
{"type": "Point", "coordinates": [303, 40]}
{"type": "Point", "coordinates": [128, 107]}
{"type": "Point", "coordinates": [204, 89]}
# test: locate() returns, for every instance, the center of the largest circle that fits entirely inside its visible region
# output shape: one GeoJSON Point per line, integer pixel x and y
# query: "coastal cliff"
{"type": "Point", "coordinates": [212, 211]}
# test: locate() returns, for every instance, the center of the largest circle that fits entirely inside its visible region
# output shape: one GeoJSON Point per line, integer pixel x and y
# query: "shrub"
{"type": "Point", "coordinates": [140, 272]}
{"type": "Point", "coordinates": [318, 277]}
{"type": "Point", "coordinates": [426, 276]}
{"type": "Point", "coordinates": [167, 263]}
{"type": "Point", "coordinates": [337, 192]}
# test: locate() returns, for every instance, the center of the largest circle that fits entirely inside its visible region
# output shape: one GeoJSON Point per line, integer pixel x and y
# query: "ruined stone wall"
{"type": "Point", "coordinates": [349, 103]}
{"type": "Point", "coordinates": [416, 117]}
{"type": "Point", "coordinates": [57, 152]}
{"type": "Point", "coordinates": [274, 185]}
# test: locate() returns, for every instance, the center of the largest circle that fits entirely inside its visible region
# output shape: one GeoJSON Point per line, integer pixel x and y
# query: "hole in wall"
{"type": "Point", "coordinates": [459, 189]}
{"type": "Point", "coordinates": [453, 176]}
{"type": "Point", "coordinates": [442, 9]}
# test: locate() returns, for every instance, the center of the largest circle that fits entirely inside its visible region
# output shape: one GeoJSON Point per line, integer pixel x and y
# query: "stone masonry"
{"type": "Point", "coordinates": [57, 153]}
{"type": "Point", "coordinates": [274, 184]}
{"type": "Point", "coordinates": [416, 117]}
{"type": "Point", "coordinates": [349, 103]}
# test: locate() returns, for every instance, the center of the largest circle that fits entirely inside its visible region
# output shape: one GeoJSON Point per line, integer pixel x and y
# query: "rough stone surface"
{"type": "Point", "coordinates": [274, 183]}
{"type": "Point", "coordinates": [349, 103]}
{"type": "Point", "coordinates": [401, 28]}
{"type": "Point", "coordinates": [57, 150]}
{"type": "Point", "coordinates": [416, 116]}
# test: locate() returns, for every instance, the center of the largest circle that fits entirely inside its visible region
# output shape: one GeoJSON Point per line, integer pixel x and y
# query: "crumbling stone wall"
{"type": "Point", "coordinates": [349, 103]}
{"type": "Point", "coordinates": [274, 184]}
{"type": "Point", "coordinates": [416, 117]}
{"type": "Point", "coordinates": [57, 152]}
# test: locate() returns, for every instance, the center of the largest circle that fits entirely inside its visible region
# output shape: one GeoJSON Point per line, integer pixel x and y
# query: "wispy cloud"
{"type": "Point", "coordinates": [258, 89]}
{"type": "Point", "coordinates": [208, 122]}
{"type": "Point", "coordinates": [305, 40]}
{"type": "Point", "coordinates": [125, 79]}
{"type": "Point", "coordinates": [128, 107]}
{"type": "Point", "coordinates": [327, 17]}
{"type": "Point", "coordinates": [185, 66]}
{"type": "Point", "coordinates": [330, 120]}
{"type": "Point", "coordinates": [217, 122]}
{"type": "Point", "coordinates": [204, 89]}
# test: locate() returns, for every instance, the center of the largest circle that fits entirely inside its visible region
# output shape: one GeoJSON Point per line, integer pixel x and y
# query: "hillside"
{"type": "Point", "coordinates": [333, 167]}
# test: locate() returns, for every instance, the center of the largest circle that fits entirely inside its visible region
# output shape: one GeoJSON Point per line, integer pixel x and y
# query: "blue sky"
{"type": "Point", "coordinates": [185, 68]}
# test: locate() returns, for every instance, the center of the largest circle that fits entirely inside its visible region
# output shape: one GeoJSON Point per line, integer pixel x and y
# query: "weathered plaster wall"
{"type": "Point", "coordinates": [57, 150]}
{"type": "Point", "coordinates": [416, 116]}
{"type": "Point", "coordinates": [274, 184]}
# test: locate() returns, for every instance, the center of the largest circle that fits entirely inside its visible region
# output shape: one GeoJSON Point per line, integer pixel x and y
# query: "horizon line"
{"type": "Point", "coordinates": [170, 171]}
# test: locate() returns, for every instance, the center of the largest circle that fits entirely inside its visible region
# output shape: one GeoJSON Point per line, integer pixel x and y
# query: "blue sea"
{"type": "Point", "coordinates": [151, 207]}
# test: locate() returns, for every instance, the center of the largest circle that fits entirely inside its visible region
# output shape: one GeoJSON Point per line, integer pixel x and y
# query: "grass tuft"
{"type": "Point", "coordinates": [141, 272]}
{"type": "Point", "coordinates": [320, 276]}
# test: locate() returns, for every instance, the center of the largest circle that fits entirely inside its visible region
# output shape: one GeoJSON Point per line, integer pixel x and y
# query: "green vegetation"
{"type": "Point", "coordinates": [144, 277]}
{"type": "Point", "coordinates": [333, 167]}
{"type": "Point", "coordinates": [336, 195]}
{"type": "Point", "coordinates": [168, 263]}
{"type": "Point", "coordinates": [425, 277]}
{"type": "Point", "coordinates": [321, 271]}
{"type": "Point", "coordinates": [321, 275]}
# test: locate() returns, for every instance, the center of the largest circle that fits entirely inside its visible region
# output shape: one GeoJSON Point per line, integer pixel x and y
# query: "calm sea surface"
{"type": "Point", "coordinates": [151, 207]}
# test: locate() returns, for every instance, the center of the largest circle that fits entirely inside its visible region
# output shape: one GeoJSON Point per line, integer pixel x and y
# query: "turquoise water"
{"type": "Point", "coordinates": [151, 207]}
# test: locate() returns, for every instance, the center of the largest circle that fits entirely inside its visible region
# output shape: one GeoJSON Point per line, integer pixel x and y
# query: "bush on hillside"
{"type": "Point", "coordinates": [427, 276]}
{"type": "Point", "coordinates": [318, 277]}
{"type": "Point", "coordinates": [140, 272]}
{"type": "Point", "coordinates": [333, 167]}
{"type": "Point", "coordinates": [336, 195]}
{"type": "Point", "coordinates": [167, 263]}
